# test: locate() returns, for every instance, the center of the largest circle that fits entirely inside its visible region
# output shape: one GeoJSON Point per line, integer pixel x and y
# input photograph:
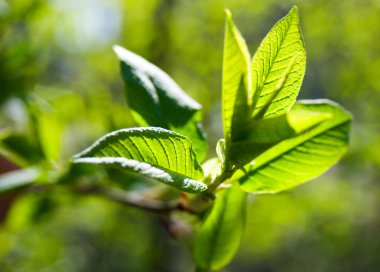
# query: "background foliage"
{"type": "Point", "coordinates": [57, 56]}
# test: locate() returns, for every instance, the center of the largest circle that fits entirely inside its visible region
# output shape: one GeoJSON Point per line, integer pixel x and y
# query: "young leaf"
{"type": "Point", "coordinates": [212, 168]}
{"type": "Point", "coordinates": [156, 100]}
{"type": "Point", "coordinates": [304, 157]}
{"type": "Point", "coordinates": [263, 134]}
{"type": "Point", "coordinates": [236, 86]}
{"type": "Point", "coordinates": [278, 68]}
{"type": "Point", "coordinates": [219, 235]}
{"type": "Point", "coordinates": [153, 152]}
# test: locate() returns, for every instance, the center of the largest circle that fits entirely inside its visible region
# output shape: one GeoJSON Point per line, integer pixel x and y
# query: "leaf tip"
{"type": "Point", "coordinates": [228, 14]}
{"type": "Point", "coordinates": [293, 12]}
{"type": "Point", "coordinates": [294, 9]}
{"type": "Point", "coordinates": [117, 49]}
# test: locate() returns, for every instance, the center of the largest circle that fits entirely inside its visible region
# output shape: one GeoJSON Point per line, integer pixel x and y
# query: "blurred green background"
{"type": "Point", "coordinates": [57, 64]}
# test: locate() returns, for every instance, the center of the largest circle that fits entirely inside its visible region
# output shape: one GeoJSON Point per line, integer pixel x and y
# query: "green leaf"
{"type": "Point", "coordinates": [18, 178]}
{"type": "Point", "coordinates": [263, 134]}
{"type": "Point", "coordinates": [19, 149]}
{"type": "Point", "coordinates": [236, 86]}
{"type": "Point", "coordinates": [153, 152]}
{"type": "Point", "coordinates": [304, 157]}
{"type": "Point", "coordinates": [284, 126]}
{"type": "Point", "coordinates": [156, 100]}
{"type": "Point", "coordinates": [50, 130]}
{"type": "Point", "coordinates": [278, 68]}
{"type": "Point", "coordinates": [219, 235]}
{"type": "Point", "coordinates": [51, 110]}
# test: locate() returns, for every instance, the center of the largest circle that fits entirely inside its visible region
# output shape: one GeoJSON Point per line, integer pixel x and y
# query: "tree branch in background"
{"type": "Point", "coordinates": [132, 199]}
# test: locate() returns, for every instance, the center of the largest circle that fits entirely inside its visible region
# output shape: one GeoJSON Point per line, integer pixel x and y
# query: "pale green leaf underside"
{"type": "Point", "coordinates": [156, 100]}
{"type": "Point", "coordinates": [18, 178]}
{"type": "Point", "coordinates": [278, 68]}
{"type": "Point", "coordinates": [166, 176]}
{"type": "Point", "coordinates": [265, 133]}
{"type": "Point", "coordinates": [219, 235]}
{"type": "Point", "coordinates": [284, 126]}
{"type": "Point", "coordinates": [236, 85]}
{"type": "Point", "coordinates": [154, 152]}
{"type": "Point", "coordinates": [304, 157]}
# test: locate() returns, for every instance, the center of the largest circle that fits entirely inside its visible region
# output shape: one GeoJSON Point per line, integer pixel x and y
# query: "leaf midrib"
{"type": "Point", "coordinates": [301, 143]}
{"type": "Point", "coordinates": [245, 71]}
{"type": "Point", "coordinates": [219, 221]}
{"type": "Point", "coordinates": [274, 60]}
{"type": "Point", "coordinates": [240, 49]}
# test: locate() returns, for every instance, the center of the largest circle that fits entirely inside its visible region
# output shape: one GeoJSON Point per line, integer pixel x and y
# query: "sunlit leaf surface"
{"type": "Point", "coordinates": [219, 234]}
{"type": "Point", "coordinates": [278, 68]}
{"type": "Point", "coordinates": [304, 157]}
{"type": "Point", "coordinates": [154, 152]}
{"type": "Point", "coordinates": [236, 85]}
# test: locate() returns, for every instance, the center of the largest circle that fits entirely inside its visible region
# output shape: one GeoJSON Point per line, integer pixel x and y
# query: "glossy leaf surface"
{"type": "Point", "coordinates": [156, 100]}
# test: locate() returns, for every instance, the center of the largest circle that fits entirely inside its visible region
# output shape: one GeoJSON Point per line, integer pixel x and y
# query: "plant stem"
{"type": "Point", "coordinates": [218, 180]}
{"type": "Point", "coordinates": [199, 269]}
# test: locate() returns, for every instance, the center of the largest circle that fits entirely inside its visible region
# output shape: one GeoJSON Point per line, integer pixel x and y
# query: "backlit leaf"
{"type": "Point", "coordinates": [304, 157]}
{"type": "Point", "coordinates": [219, 234]}
{"type": "Point", "coordinates": [236, 86]}
{"type": "Point", "coordinates": [262, 134]}
{"type": "Point", "coordinates": [153, 152]}
{"type": "Point", "coordinates": [278, 68]}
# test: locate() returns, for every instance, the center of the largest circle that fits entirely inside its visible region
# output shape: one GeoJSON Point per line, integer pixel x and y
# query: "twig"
{"type": "Point", "coordinates": [132, 199]}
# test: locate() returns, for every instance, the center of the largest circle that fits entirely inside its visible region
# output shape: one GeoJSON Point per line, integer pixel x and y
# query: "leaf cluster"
{"type": "Point", "coordinates": [271, 142]}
